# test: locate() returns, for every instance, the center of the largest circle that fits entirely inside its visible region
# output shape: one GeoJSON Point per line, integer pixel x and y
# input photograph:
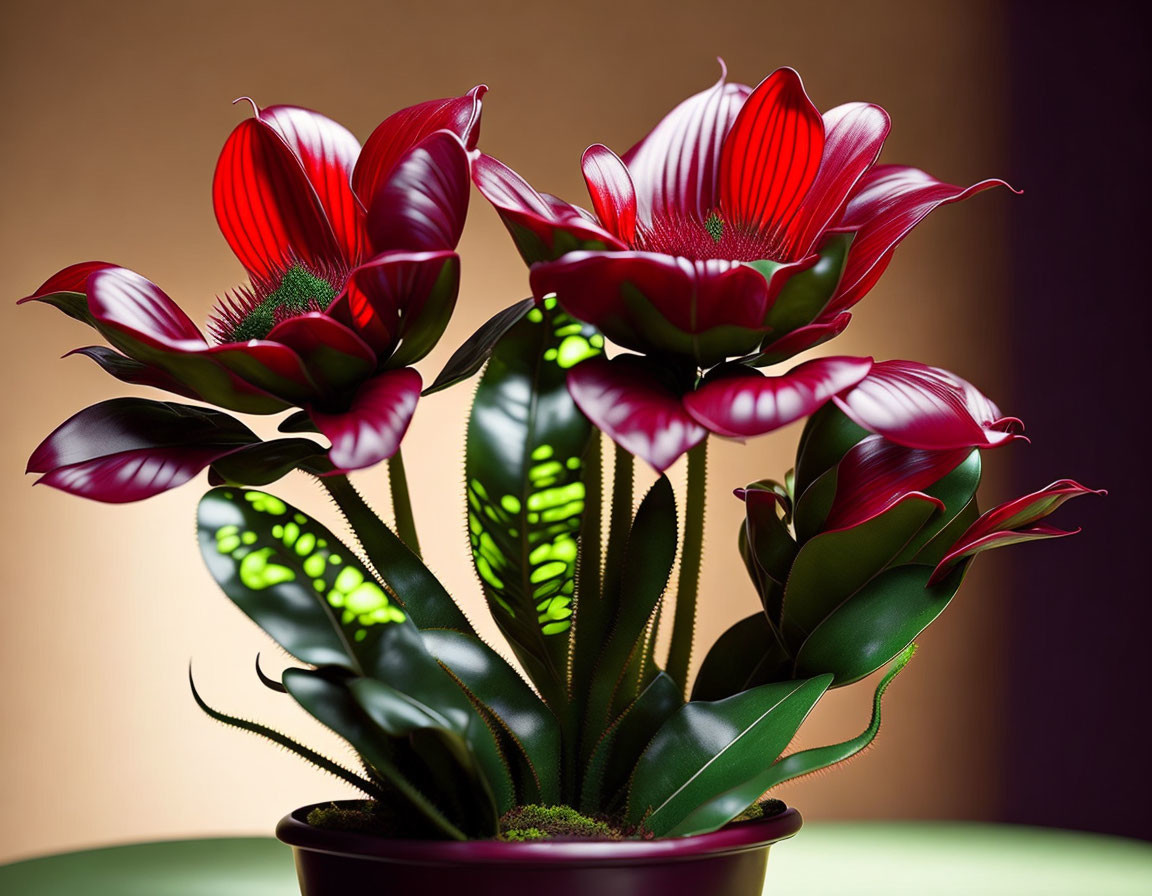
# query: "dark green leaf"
{"type": "Point", "coordinates": [806, 293]}
{"type": "Point", "coordinates": [473, 354]}
{"type": "Point", "coordinates": [709, 762]}
{"type": "Point", "coordinates": [511, 701]}
{"type": "Point", "coordinates": [956, 490]}
{"type": "Point", "coordinates": [265, 462]}
{"type": "Point", "coordinates": [526, 443]}
{"type": "Point", "coordinates": [876, 623]}
{"type": "Point", "coordinates": [827, 437]}
{"type": "Point", "coordinates": [805, 762]}
{"type": "Point", "coordinates": [746, 655]}
{"type": "Point", "coordinates": [615, 754]}
{"type": "Point", "coordinates": [644, 570]}
{"type": "Point", "coordinates": [834, 565]}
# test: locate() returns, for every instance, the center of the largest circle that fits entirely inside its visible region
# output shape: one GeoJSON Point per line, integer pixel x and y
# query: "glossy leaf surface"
{"type": "Point", "coordinates": [709, 762]}
{"type": "Point", "coordinates": [474, 354]}
{"type": "Point", "coordinates": [526, 444]}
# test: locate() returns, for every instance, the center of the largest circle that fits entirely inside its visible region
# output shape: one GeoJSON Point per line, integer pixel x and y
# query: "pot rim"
{"type": "Point", "coordinates": [736, 837]}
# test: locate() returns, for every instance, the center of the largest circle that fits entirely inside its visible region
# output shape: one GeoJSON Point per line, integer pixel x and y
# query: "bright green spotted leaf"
{"type": "Point", "coordinates": [307, 590]}
{"type": "Point", "coordinates": [524, 480]}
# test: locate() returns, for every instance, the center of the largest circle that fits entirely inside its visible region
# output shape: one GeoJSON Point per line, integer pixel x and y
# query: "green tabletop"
{"type": "Point", "coordinates": [824, 859]}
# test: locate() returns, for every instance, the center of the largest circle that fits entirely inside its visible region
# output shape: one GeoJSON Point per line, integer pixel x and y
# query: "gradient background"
{"type": "Point", "coordinates": [113, 117]}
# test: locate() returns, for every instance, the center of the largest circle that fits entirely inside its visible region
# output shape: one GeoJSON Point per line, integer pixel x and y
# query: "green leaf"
{"type": "Point", "coordinates": [524, 480]}
{"type": "Point", "coordinates": [806, 293]}
{"type": "Point", "coordinates": [644, 570]}
{"type": "Point", "coordinates": [956, 490]}
{"type": "Point", "coordinates": [831, 567]}
{"type": "Point", "coordinates": [805, 762]}
{"type": "Point", "coordinates": [488, 678]}
{"type": "Point", "coordinates": [308, 591]}
{"type": "Point", "coordinates": [827, 437]}
{"type": "Point", "coordinates": [746, 655]}
{"type": "Point", "coordinates": [615, 754]}
{"type": "Point", "coordinates": [876, 623]}
{"type": "Point", "coordinates": [330, 701]}
{"type": "Point", "coordinates": [474, 354]}
{"type": "Point", "coordinates": [265, 462]}
{"type": "Point", "coordinates": [709, 762]}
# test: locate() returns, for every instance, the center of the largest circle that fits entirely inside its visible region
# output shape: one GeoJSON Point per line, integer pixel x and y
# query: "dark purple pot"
{"type": "Point", "coordinates": [729, 862]}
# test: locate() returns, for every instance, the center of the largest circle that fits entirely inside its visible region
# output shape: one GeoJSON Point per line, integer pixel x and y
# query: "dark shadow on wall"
{"type": "Point", "coordinates": [1079, 737]}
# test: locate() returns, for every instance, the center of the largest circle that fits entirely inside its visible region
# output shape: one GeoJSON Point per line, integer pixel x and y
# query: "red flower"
{"type": "Point", "coordinates": [350, 254]}
{"type": "Point", "coordinates": [743, 226]}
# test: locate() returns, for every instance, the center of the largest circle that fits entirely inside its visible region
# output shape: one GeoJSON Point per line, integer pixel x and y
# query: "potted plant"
{"type": "Point", "coordinates": [737, 234]}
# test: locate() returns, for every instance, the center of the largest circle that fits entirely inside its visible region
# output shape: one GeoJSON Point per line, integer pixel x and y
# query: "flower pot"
{"type": "Point", "coordinates": [729, 862]}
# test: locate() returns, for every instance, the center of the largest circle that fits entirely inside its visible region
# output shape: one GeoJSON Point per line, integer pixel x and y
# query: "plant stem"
{"type": "Point", "coordinates": [688, 584]}
{"type": "Point", "coordinates": [402, 503]}
{"type": "Point", "coordinates": [620, 524]}
{"type": "Point", "coordinates": [371, 531]}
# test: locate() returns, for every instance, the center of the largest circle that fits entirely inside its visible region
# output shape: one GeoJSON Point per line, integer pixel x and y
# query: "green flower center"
{"type": "Point", "coordinates": [300, 291]}
{"type": "Point", "coordinates": [715, 227]}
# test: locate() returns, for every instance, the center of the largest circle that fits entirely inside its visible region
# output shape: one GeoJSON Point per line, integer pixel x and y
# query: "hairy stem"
{"type": "Point", "coordinates": [402, 502]}
{"type": "Point", "coordinates": [620, 523]}
{"type": "Point", "coordinates": [688, 585]}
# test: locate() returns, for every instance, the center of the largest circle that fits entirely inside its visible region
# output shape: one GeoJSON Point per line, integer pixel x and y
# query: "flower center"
{"type": "Point", "coordinates": [687, 236]}
{"type": "Point", "coordinates": [251, 314]}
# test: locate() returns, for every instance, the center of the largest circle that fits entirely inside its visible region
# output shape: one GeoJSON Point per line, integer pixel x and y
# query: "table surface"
{"type": "Point", "coordinates": [824, 859]}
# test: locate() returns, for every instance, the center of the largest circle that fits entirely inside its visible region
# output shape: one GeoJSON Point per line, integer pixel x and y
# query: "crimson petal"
{"type": "Point", "coordinates": [399, 303]}
{"type": "Point", "coordinates": [800, 340]}
{"type": "Point", "coordinates": [771, 156]}
{"type": "Point", "coordinates": [635, 408]}
{"type": "Point", "coordinates": [334, 356]}
{"type": "Point", "coordinates": [139, 319]}
{"type": "Point", "coordinates": [747, 403]}
{"type": "Point", "coordinates": [127, 449]}
{"type": "Point", "coordinates": [1013, 522]}
{"type": "Point", "coordinates": [675, 168]}
{"type": "Point", "coordinates": [707, 309]}
{"type": "Point", "coordinates": [610, 186]}
{"type": "Point", "coordinates": [73, 278]}
{"type": "Point", "coordinates": [266, 207]}
{"type": "Point", "coordinates": [327, 151]}
{"type": "Point", "coordinates": [423, 202]}
{"type": "Point", "coordinates": [877, 474]}
{"type": "Point", "coordinates": [402, 130]}
{"type": "Point", "coordinates": [853, 137]}
{"type": "Point", "coordinates": [925, 407]}
{"type": "Point", "coordinates": [888, 202]}
{"type": "Point", "coordinates": [543, 227]}
{"type": "Point", "coordinates": [374, 425]}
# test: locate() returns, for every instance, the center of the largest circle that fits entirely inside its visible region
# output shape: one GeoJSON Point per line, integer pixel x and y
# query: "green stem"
{"type": "Point", "coordinates": [688, 585]}
{"type": "Point", "coordinates": [402, 503]}
{"type": "Point", "coordinates": [620, 524]}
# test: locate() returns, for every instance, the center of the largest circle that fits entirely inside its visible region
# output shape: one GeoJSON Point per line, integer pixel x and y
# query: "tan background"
{"type": "Point", "coordinates": [113, 116]}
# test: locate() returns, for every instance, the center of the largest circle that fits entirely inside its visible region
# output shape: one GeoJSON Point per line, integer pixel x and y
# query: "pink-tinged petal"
{"type": "Point", "coordinates": [139, 319]}
{"type": "Point", "coordinates": [422, 204]}
{"type": "Point", "coordinates": [266, 207]}
{"type": "Point", "coordinates": [402, 130]}
{"type": "Point", "coordinates": [543, 227]}
{"type": "Point", "coordinates": [73, 278]}
{"type": "Point", "coordinates": [327, 151]}
{"type": "Point", "coordinates": [675, 168]}
{"type": "Point", "coordinates": [374, 424]}
{"type": "Point", "coordinates": [746, 403]}
{"type": "Point", "coordinates": [876, 474]}
{"type": "Point", "coordinates": [635, 407]}
{"type": "Point", "coordinates": [888, 202]}
{"type": "Point", "coordinates": [706, 309]}
{"type": "Point", "coordinates": [801, 339]}
{"type": "Point", "coordinates": [334, 356]}
{"type": "Point", "coordinates": [129, 370]}
{"type": "Point", "coordinates": [127, 449]}
{"type": "Point", "coordinates": [1014, 522]}
{"type": "Point", "coordinates": [124, 300]}
{"type": "Point", "coordinates": [853, 136]}
{"type": "Point", "coordinates": [771, 156]}
{"type": "Point", "coordinates": [399, 303]}
{"type": "Point", "coordinates": [610, 186]}
{"type": "Point", "coordinates": [925, 407]}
